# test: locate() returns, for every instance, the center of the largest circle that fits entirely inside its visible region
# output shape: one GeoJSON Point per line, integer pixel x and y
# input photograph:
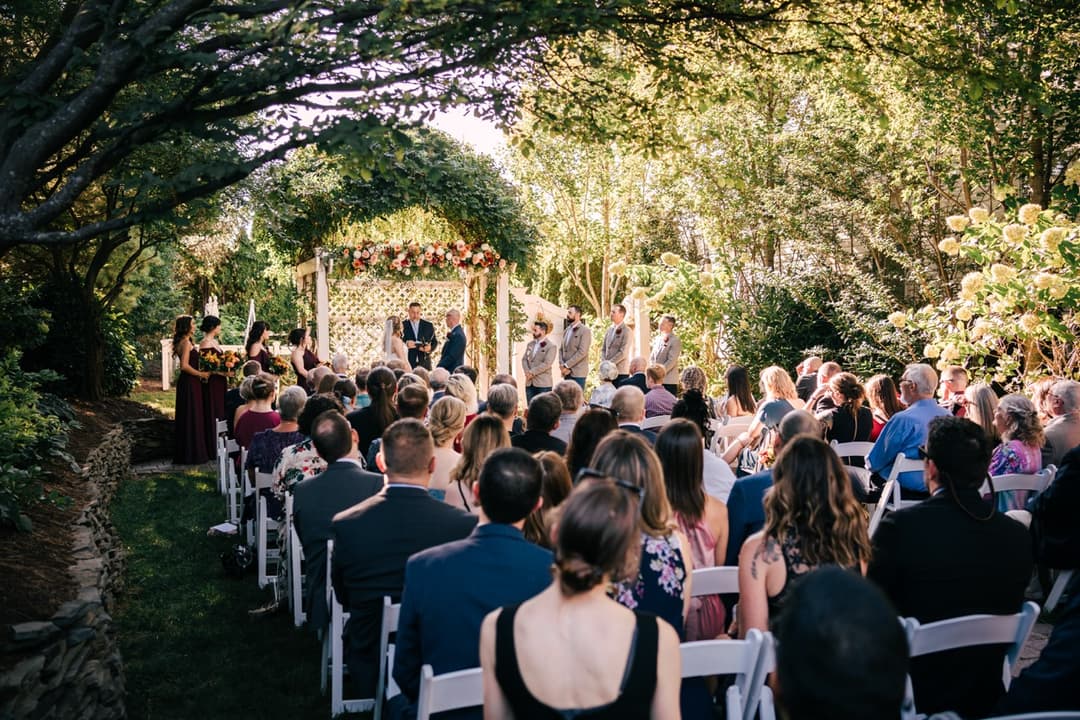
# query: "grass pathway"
{"type": "Point", "coordinates": [190, 651]}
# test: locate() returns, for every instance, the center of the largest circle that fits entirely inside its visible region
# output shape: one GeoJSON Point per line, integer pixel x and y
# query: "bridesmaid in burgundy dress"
{"type": "Point", "coordinates": [303, 360]}
{"type": "Point", "coordinates": [190, 425]}
{"type": "Point", "coordinates": [214, 388]}
{"type": "Point", "coordinates": [255, 347]}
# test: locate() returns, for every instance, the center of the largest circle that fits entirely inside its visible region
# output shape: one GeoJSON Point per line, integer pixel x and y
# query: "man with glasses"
{"type": "Point", "coordinates": [906, 430]}
{"type": "Point", "coordinates": [954, 381]}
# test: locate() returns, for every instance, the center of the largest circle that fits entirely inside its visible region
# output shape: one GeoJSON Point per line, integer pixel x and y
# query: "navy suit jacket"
{"type": "Point", "coordinates": [453, 351]}
{"type": "Point", "coordinates": [746, 511]}
{"type": "Point", "coordinates": [649, 435]}
{"type": "Point", "coordinates": [637, 380]}
{"type": "Point", "coordinates": [450, 589]}
{"type": "Point", "coordinates": [426, 336]}
{"type": "Point", "coordinates": [372, 543]}
{"type": "Point", "coordinates": [315, 502]}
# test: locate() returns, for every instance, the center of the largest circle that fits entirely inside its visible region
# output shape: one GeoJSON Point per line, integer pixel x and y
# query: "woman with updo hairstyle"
{"type": "Point", "coordinates": [556, 487]}
{"type": "Point", "coordinates": [370, 422]}
{"type": "Point", "coordinates": [190, 434]}
{"type": "Point", "coordinates": [260, 414]}
{"type": "Point", "coordinates": [302, 358]}
{"type": "Point", "coordinates": [849, 420]}
{"type": "Point", "coordinates": [811, 519]}
{"type": "Point", "coordinates": [483, 436]}
{"type": "Point", "coordinates": [884, 402]}
{"type": "Point", "coordinates": [591, 427]}
{"type": "Point", "coordinates": [255, 345]}
{"type": "Point", "coordinates": [216, 385]}
{"type": "Point", "coordinates": [571, 651]}
{"type": "Point", "coordinates": [446, 420]}
{"type": "Point", "coordinates": [1020, 451]}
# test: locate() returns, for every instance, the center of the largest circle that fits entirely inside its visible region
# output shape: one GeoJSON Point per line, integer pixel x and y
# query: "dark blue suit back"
{"type": "Point", "coordinates": [453, 353]}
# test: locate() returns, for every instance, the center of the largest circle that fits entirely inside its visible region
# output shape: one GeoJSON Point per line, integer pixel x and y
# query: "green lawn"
{"type": "Point", "coordinates": [189, 648]}
{"type": "Point", "coordinates": [163, 401]}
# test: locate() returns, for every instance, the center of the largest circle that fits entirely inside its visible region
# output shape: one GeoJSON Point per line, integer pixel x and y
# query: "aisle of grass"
{"type": "Point", "coordinates": [189, 648]}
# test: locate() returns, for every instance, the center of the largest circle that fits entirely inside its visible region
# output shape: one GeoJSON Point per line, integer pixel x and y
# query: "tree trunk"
{"type": "Point", "coordinates": [92, 386]}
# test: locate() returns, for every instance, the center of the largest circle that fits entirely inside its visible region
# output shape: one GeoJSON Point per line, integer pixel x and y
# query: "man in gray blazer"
{"type": "Point", "coordinates": [666, 350]}
{"type": "Point", "coordinates": [537, 361]}
{"type": "Point", "coordinates": [574, 354]}
{"type": "Point", "coordinates": [616, 347]}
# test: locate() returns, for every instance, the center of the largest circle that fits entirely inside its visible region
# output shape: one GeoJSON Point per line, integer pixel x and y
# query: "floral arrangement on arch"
{"type": "Point", "coordinates": [398, 257]}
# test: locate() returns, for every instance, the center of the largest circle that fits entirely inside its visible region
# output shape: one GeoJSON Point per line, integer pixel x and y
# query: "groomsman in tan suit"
{"type": "Point", "coordinates": [537, 361]}
{"type": "Point", "coordinates": [574, 354]}
{"type": "Point", "coordinates": [666, 350]}
{"type": "Point", "coordinates": [616, 347]}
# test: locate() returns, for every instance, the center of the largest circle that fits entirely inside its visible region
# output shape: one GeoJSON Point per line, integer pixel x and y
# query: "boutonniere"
{"type": "Point", "coordinates": [618, 331]}
{"type": "Point", "coordinates": [543, 343]}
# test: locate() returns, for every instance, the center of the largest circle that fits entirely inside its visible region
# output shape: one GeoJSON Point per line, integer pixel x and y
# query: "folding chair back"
{"type": "Point", "coordinates": [655, 422]}
{"type": "Point", "coordinates": [1035, 482]}
{"type": "Point", "coordinates": [233, 497]}
{"type": "Point", "coordinates": [726, 431]}
{"type": "Point", "coordinates": [295, 567]}
{"type": "Point", "coordinates": [449, 691]}
{"type": "Point", "coordinates": [338, 619]}
{"type": "Point", "coordinates": [852, 449]}
{"type": "Point", "coordinates": [1063, 578]}
{"type": "Point", "coordinates": [741, 658]}
{"type": "Point", "coordinates": [714, 581]}
{"type": "Point", "coordinates": [221, 428]}
{"type": "Point", "coordinates": [264, 525]}
{"type": "Point", "coordinates": [386, 688]}
{"type": "Point", "coordinates": [890, 492]}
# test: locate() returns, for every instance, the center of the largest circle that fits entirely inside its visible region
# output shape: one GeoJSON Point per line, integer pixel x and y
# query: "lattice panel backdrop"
{"type": "Point", "coordinates": [359, 308]}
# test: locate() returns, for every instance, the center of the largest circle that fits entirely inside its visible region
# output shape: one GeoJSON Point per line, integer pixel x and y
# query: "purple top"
{"type": "Point", "coordinates": [658, 401]}
{"type": "Point", "coordinates": [265, 449]}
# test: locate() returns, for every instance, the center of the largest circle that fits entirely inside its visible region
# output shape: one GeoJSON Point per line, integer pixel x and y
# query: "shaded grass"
{"type": "Point", "coordinates": [189, 648]}
{"type": "Point", "coordinates": [164, 401]}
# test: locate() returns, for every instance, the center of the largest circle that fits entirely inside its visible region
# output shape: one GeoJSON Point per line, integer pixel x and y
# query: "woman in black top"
{"type": "Point", "coordinates": [850, 420]}
{"type": "Point", "coordinates": [572, 651]}
{"type": "Point", "coordinates": [370, 422]}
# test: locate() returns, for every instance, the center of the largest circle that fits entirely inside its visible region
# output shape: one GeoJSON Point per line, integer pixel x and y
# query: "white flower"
{"type": "Point", "coordinates": [978, 215]}
{"type": "Point", "coordinates": [931, 351]}
{"type": "Point", "coordinates": [950, 353]}
{"type": "Point", "coordinates": [1059, 290]}
{"type": "Point", "coordinates": [1029, 322]}
{"type": "Point", "coordinates": [980, 328]}
{"type": "Point", "coordinates": [957, 223]}
{"type": "Point", "coordinates": [1002, 273]}
{"type": "Point", "coordinates": [356, 254]}
{"type": "Point", "coordinates": [973, 281]}
{"type": "Point", "coordinates": [949, 246]}
{"type": "Point", "coordinates": [898, 319]}
{"type": "Point", "coordinates": [639, 293]}
{"type": "Point", "coordinates": [1072, 174]}
{"type": "Point", "coordinates": [1044, 280]}
{"type": "Point", "coordinates": [617, 268]}
{"type": "Point", "coordinates": [668, 288]}
{"type": "Point", "coordinates": [705, 277]}
{"type": "Point", "coordinates": [963, 313]}
{"type": "Point", "coordinates": [670, 258]}
{"type": "Point", "coordinates": [968, 295]}
{"type": "Point", "coordinates": [1014, 233]}
{"type": "Point", "coordinates": [1029, 214]}
{"type": "Point", "coordinates": [1051, 238]}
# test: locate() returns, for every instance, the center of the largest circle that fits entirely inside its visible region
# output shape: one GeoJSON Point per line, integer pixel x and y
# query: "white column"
{"type": "Point", "coordinates": [480, 358]}
{"type": "Point", "coordinates": [502, 319]}
{"type": "Point", "coordinates": [166, 362]}
{"type": "Point", "coordinates": [322, 305]}
{"type": "Point", "coordinates": [642, 331]}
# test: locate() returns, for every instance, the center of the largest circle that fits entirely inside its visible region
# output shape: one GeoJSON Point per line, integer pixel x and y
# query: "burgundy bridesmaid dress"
{"type": "Point", "coordinates": [190, 425]}
{"type": "Point", "coordinates": [214, 407]}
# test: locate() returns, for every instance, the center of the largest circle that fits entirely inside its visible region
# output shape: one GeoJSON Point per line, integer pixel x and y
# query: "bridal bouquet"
{"type": "Point", "coordinates": [278, 365]}
{"type": "Point", "coordinates": [218, 361]}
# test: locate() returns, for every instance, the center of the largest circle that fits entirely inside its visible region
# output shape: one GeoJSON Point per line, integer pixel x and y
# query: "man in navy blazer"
{"type": "Point", "coordinates": [374, 540]}
{"type": "Point", "coordinates": [628, 406]}
{"type": "Point", "coordinates": [316, 500]}
{"type": "Point", "coordinates": [453, 351]}
{"type": "Point", "coordinates": [419, 337]}
{"type": "Point", "coordinates": [451, 588]}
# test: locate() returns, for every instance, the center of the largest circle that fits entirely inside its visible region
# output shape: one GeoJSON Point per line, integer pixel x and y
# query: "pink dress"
{"type": "Point", "coordinates": [705, 620]}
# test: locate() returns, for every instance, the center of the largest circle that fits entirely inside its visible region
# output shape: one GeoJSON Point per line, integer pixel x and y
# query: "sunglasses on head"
{"type": "Point", "coordinates": [589, 473]}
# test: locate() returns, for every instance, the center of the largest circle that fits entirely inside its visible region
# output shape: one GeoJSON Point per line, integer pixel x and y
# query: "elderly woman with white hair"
{"type": "Point", "coordinates": [1063, 430]}
{"type": "Point", "coordinates": [266, 446]}
{"type": "Point", "coordinates": [601, 396]}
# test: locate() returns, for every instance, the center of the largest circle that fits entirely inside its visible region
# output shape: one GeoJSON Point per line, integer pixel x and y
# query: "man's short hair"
{"type": "Point", "coordinates": [407, 448]}
{"type": "Point", "coordinates": [332, 436]}
{"type": "Point", "coordinates": [504, 378]}
{"type": "Point", "coordinates": [954, 371]}
{"type": "Point", "coordinates": [412, 400]}
{"type": "Point", "coordinates": [798, 422]}
{"type": "Point", "coordinates": [575, 308]}
{"type": "Point", "coordinates": [628, 404]}
{"type": "Point", "coordinates": [620, 307]}
{"type": "Point", "coordinates": [438, 377]}
{"type": "Point", "coordinates": [1069, 392]}
{"type": "Point", "coordinates": [960, 449]}
{"type": "Point", "coordinates": [510, 483]}
{"type": "Point", "coordinates": [468, 371]}
{"type": "Point", "coordinates": [544, 412]}
{"type": "Point", "coordinates": [827, 370]}
{"type": "Point", "coordinates": [543, 325]}
{"type": "Point", "coordinates": [638, 364]}
{"type": "Point", "coordinates": [670, 319]}
{"type": "Point", "coordinates": [414, 304]}
{"type": "Point", "coordinates": [251, 367]}
{"type": "Point", "coordinates": [811, 364]}
{"type": "Point", "coordinates": [340, 363]}
{"type": "Point", "coordinates": [656, 374]}
{"type": "Point", "coordinates": [570, 395]}
{"type": "Point", "coordinates": [841, 654]}
{"type": "Point", "coordinates": [924, 377]}
{"type": "Point", "coordinates": [361, 379]}
{"type": "Point", "coordinates": [503, 400]}
{"type": "Point", "coordinates": [291, 402]}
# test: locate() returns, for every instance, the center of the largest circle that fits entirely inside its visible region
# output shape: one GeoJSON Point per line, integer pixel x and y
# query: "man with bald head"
{"type": "Point", "coordinates": [453, 353]}
{"type": "Point", "coordinates": [628, 407]}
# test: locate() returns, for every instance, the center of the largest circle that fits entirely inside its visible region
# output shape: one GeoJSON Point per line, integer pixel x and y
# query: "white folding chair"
{"type": "Point", "coordinates": [722, 580]}
{"type": "Point", "coordinates": [969, 631]}
{"type": "Point", "coordinates": [855, 449]}
{"type": "Point", "coordinates": [741, 658]}
{"type": "Point", "coordinates": [264, 525]}
{"type": "Point", "coordinates": [338, 619]}
{"type": "Point", "coordinates": [1035, 482]}
{"type": "Point", "coordinates": [386, 688]}
{"type": "Point", "coordinates": [295, 566]}
{"type": "Point", "coordinates": [655, 422]}
{"type": "Point", "coordinates": [221, 428]}
{"type": "Point", "coordinates": [246, 488]}
{"type": "Point", "coordinates": [890, 493]}
{"type": "Point", "coordinates": [1058, 589]}
{"type": "Point", "coordinates": [449, 691]}
{"type": "Point", "coordinates": [727, 431]}
{"type": "Point", "coordinates": [233, 497]}
{"type": "Point", "coordinates": [222, 455]}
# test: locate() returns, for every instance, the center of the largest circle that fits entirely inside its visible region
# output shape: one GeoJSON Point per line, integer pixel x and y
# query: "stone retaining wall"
{"type": "Point", "coordinates": [69, 665]}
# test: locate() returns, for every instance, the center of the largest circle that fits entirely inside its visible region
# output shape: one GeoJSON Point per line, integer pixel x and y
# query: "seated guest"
{"type": "Point", "coordinates": [246, 399]}
{"type": "Point", "coordinates": [589, 430]}
{"type": "Point", "coordinates": [1020, 450]}
{"type": "Point", "coordinates": [346, 391]}
{"type": "Point", "coordinates": [468, 371]}
{"type": "Point", "coordinates": [267, 445]}
{"type": "Point", "coordinates": [746, 502]}
{"type": "Point", "coordinates": [702, 519]}
{"type": "Point", "coordinates": [411, 401]}
{"type": "Point", "coordinates": [739, 400]}
{"type": "Point", "coordinates": [461, 387]}
{"type": "Point", "coordinates": [556, 486]}
{"type": "Point", "coordinates": [327, 383]}
{"type": "Point", "coordinates": [437, 380]}
{"type": "Point", "coordinates": [233, 399]}
{"type": "Point", "coordinates": [840, 653]}
{"type": "Point", "coordinates": [637, 374]}
{"type": "Point", "coordinates": [906, 431]}
{"type": "Point", "coordinates": [954, 380]}
{"type": "Point", "coordinates": [301, 461]}
{"type": "Point", "coordinates": [362, 398]}
{"type": "Point", "coordinates": [884, 402]}
{"type": "Point", "coordinates": [628, 407]}
{"type": "Point", "coordinates": [848, 420]}
{"type": "Point", "coordinates": [1063, 430]}
{"type": "Point", "coordinates": [821, 400]}
{"type": "Point", "coordinates": [601, 396]}
{"type": "Point", "coordinates": [571, 647]}
{"type": "Point", "coordinates": [779, 399]}
{"type": "Point", "coordinates": [953, 555]}
{"type": "Point", "coordinates": [541, 419]}
{"type": "Point", "coordinates": [421, 372]}
{"type": "Point", "coordinates": [503, 403]}
{"type": "Point", "coordinates": [340, 365]}
{"type": "Point", "coordinates": [449, 589]}
{"type": "Point", "coordinates": [980, 403]}
{"type": "Point", "coordinates": [807, 377]}
{"type": "Point", "coordinates": [483, 437]}
{"type": "Point", "coordinates": [260, 414]}
{"type": "Point", "coordinates": [318, 499]}
{"type": "Point", "coordinates": [374, 540]}
{"type": "Point", "coordinates": [573, 401]}
{"type": "Point", "coordinates": [811, 519]}
{"type": "Point", "coordinates": [446, 420]}
{"type": "Point", "coordinates": [658, 400]}
{"type": "Point", "coordinates": [717, 474]}
{"type": "Point", "coordinates": [370, 422]}
{"type": "Point", "coordinates": [316, 377]}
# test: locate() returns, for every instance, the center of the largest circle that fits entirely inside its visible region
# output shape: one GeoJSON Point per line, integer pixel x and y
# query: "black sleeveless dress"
{"type": "Point", "coordinates": [190, 424]}
{"type": "Point", "coordinates": [635, 692]}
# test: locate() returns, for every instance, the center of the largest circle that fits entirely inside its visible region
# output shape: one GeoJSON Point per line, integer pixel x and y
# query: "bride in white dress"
{"type": "Point", "coordinates": [393, 346]}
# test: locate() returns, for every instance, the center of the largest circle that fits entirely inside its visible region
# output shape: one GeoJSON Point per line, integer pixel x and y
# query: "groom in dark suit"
{"type": "Point", "coordinates": [419, 336]}
{"type": "Point", "coordinates": [453, 352]}
{"type": "Point", "coordinates": [373, 541]}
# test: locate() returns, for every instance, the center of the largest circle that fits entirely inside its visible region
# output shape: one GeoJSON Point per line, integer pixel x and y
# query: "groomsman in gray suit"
{"type": "Point", "coordinates": [666, 350]}
{"type": "Point", "coordinates": [574, 354]}
{"type": "Point", "coordinates": [616, 347]}
{"type": "Point", "coordinates": [537, 361]}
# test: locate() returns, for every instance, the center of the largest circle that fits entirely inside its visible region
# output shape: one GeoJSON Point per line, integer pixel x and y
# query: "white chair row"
{"type": "Point", "coordinates": [267, 552]}
{"type": "Point", "coordinates": [724, 432]}
{"type": "Point", "coordinates": [890, 493]}
{"type": "Point", "coordinates": [294, 568]}
{"type": "Point", "coordinates": [656, 422]}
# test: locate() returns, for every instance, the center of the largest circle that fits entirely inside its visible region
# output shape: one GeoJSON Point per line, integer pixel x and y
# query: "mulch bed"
{"type": "Point", "coordinates": [33, 566]}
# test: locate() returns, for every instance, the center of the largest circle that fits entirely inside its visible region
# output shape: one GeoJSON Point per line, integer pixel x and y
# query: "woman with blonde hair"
{"type": "Point", "coordinates": [811, 519]}
{"type": "Point", "coordinates": [780, 399]}
{"type": "Point", "coordinates": [1020, 450]}
{"type": "Point", "coordinates": [486, 434]}
{"type": "Point", "coordinates": [980, 402]}
{"type": "Point", "coordinates": [446, 420]}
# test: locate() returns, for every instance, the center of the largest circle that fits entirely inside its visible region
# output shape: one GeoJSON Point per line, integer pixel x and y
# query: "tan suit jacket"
{"type": "Point", "coordinates": [667, 354]}
{"type": "Point", "coordinates": [574, 353]}
{"type": "Point", "coordinates": [538, 358]}
{"type": "Point", "coordinates": [616, 348]}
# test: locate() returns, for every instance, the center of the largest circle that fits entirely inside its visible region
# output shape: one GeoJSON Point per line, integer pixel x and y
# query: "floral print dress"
{"type": "Point", "coordinates": [1014, 457]}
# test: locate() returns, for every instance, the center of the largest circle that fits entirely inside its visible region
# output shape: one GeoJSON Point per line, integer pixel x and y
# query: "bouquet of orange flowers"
{"type": "Point", "coordinates": [278, 365]}
{"type": "Point", "coordinates": [218, 361]}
